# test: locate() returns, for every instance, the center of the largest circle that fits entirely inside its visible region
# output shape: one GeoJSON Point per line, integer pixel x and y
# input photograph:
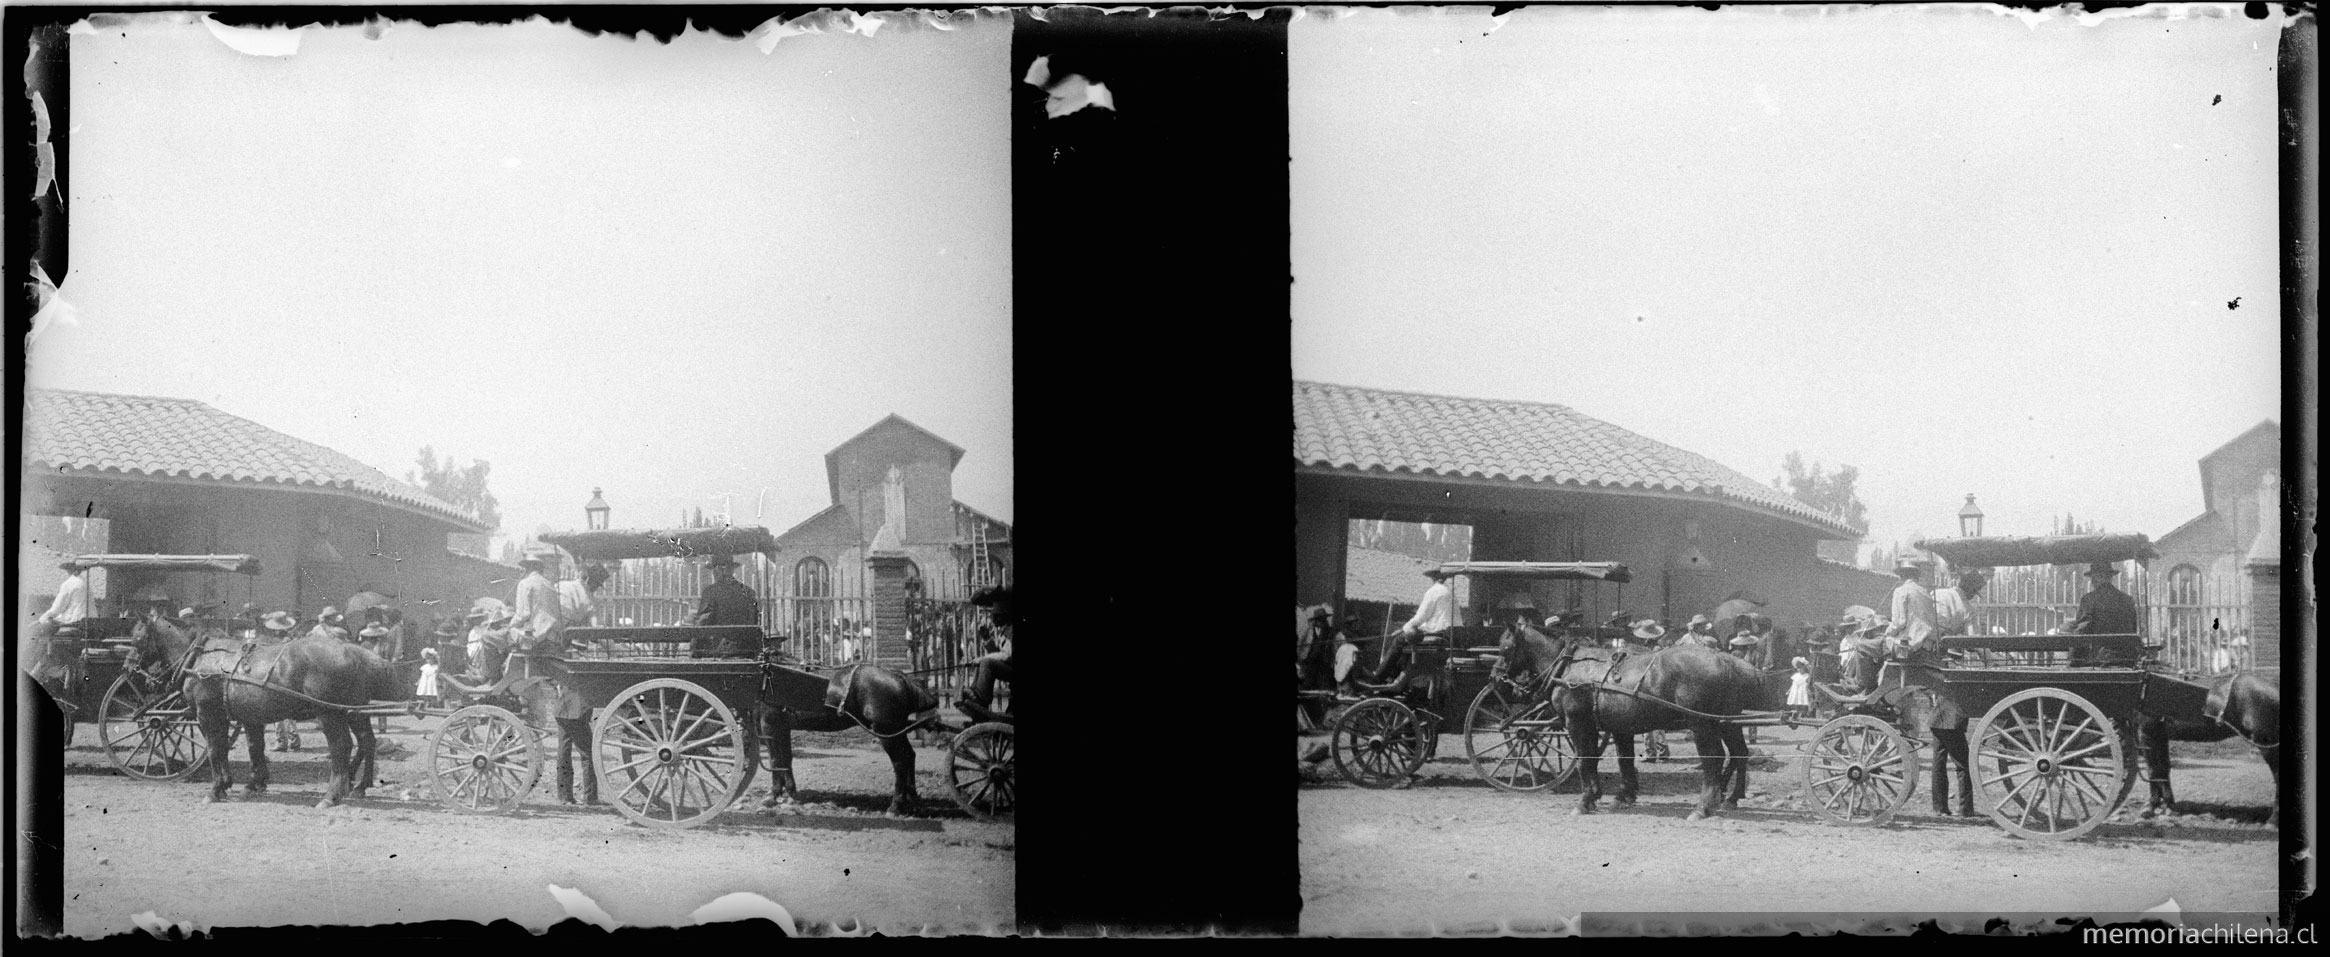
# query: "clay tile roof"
{"type": "Point", "coordinates": [150, 435]}
{"type": "Point", "coordinates": [1343, 427]}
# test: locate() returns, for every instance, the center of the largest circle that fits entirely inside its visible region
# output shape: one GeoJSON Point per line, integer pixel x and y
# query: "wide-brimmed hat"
{"type": "Point", "coordinates": [487, 608]}
{"type": "Point", "coordinates": [330, 612]}
{"type": "Point", "coordinates": [374, 630]}
{"type": "Point", "coordinates": [530, 561]}
{"type": "Point", "coordinates": [448, 628]}
{"type": "Point", "coordinates": [1320, 611]}
{"type": "Point", "coordinates": [1742, 641]}
{"type": "Point", "coordinates": [70, 564]}
{"type": "Point", "coordinates": [2105, 569]}
{"type": "Point", "coordinates": [1905, 565]}
{"type": "Point", "coordinates": [198, 611]}
{"type": "Point", "coordinates": [1649, 630]}
{"type": "Point", "coordinates": [721, 561]}
{"type": "Point", "coordinates": [1697, 620]}
{"type": "Point", "coordinates": [279, 621]}
{"type": "Point", "coordinates": [1435, 571]}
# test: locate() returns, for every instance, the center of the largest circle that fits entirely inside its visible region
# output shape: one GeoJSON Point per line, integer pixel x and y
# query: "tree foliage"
{"type": "Point", "coordinates": [2066, 525]}
{"type": "Point", "coordinates": [1434, 542]}
{"type": "Point", "coordinates": [460, 485]}
{"type": "Point", "coordinates": [1831, 492]}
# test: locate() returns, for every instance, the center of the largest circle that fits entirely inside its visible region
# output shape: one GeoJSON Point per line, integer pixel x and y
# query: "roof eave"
{"type": "Point", "coordinates": [460, 523]}
{"type": "Point", "coordinates": [1828, 531]}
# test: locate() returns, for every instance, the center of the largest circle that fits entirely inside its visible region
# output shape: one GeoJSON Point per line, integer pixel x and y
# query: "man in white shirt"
{"type": "Point", "coordinates": [574, 595]}
{"type": "Point", "coordinates": [1436, 613]}
{"type": "Point", "coordinates": [1435, 617]}
{"type": "Point", "coordinates": [1954, 607]}
{"type": "Point", "coordinates": [536, 607]}
{"type": "Point", "coordinates": [1913, 627]}
{"type": "Point", "coordinates": [71, 604]}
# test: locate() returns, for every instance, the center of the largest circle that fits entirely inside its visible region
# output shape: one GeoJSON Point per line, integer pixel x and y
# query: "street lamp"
{"type": "Point", "coordinates": [595, 512]}
{"type": "Point", "coordinates": [1970, 519]}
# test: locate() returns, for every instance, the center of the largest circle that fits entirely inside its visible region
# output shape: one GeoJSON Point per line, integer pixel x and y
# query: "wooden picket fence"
{"type": "Point", "coordinates": [2194, 622]}
{"type": "Point", "coordinates": [947, 634]}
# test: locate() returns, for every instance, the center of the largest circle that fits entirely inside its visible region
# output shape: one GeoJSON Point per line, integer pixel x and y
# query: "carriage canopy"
{"type": "Point", "coordinates": [621, 544]}
{"type": "Point", "coordinates": [1542, 571]}
{"type": "Point", "coordinates": [2045, 550]}
{"type": "Point", "coordinates": [239, 564]}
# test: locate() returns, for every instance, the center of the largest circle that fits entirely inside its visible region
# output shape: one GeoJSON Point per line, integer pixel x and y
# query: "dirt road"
{"type": "Point", "coordinates": [1453, 853]}
{"type": "Point", "coordinates": [134, 846]}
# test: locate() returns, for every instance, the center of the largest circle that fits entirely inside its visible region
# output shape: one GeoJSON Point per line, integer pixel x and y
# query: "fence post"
{"type": "Point", "coordinates": [889, 574]}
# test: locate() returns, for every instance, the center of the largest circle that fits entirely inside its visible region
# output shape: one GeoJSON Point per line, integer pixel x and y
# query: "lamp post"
{"type": "Point", "coordinates": [595, 512]}
{"type": "Point", "coordinates": [1970, 519]}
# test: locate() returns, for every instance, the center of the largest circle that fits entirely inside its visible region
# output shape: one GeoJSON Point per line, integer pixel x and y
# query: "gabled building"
{"type": "Point", "coordinates": [2214, 544]}
{"type": "Point", "coordinates": [954, 548]}
{"type": "Point", "coordinates": [1543, 482]}
{"type": "Point", "coordinates": [149, 474]}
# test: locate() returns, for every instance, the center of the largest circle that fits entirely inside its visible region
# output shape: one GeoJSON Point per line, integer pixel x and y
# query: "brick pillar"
{"type": "Point", "coordinates": [889, 570]}
{"type": "Point", "coordinates": [2265, 616]}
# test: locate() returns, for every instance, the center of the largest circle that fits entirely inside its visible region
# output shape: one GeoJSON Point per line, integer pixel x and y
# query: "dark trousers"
{"type": "Point", "coordinates": [1951, 768]}
{"type": "Point", "coordinates": [574, 743]}
{"type": "Point", "coordinates": [991, 670]}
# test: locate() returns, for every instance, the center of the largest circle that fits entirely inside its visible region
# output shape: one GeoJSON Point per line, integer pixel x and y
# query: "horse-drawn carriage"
{"type": "Point", "coordinates": [677, 739]}
{"type": "Point", "coordinates": [143, 721]}
{"type": "Point", "coordinates": [1386, 734]}
{"type": "Point", "coordinates": [2053, 751]}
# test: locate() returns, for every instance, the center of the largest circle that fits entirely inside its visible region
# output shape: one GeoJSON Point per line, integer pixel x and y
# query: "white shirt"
{"type": "Point", "coordinates": [574, 602]}
{"type": "Point", "coordinates": [1952, 614]}
{"type": "Point", "coordinates": [72, 602]}
{"type": "Point", "coordinates": [1437, 612]}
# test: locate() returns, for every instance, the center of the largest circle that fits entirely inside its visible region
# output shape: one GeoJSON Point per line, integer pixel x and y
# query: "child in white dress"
{"type": "Point", "coordinates": [1800, 688]}
{"type": "Point", "coordinates": [426, 689]}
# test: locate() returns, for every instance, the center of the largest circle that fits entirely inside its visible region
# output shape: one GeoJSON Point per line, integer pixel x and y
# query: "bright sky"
{"type": "Point", "coordinates": [672, 271]}
{"type": "Point", "coordinates": [1962, 251]}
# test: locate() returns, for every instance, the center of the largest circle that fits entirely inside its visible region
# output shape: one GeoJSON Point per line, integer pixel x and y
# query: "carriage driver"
{"type": "Point", "coordinates": [726, 601]}
{"type": "Point", "coordinates": [65, 614]}
{"type": "Point", "coordinates": [1435, 617]}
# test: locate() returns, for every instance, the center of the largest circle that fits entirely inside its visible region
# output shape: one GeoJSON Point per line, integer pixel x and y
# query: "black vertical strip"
{"type": "Point", "coordinates": [33, 59]}
{"type": "Point", "coordinates": [2301, 277]}
{"type": "Point", "coordinates": [1150, 291]}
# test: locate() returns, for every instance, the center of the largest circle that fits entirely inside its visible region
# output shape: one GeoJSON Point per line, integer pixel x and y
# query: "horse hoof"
{"type": "Point", "coordinates": [1581, 812]}
{"type": "Point", "coordinates": [1731, 805]}
{"type": "Point", "coordinates": [324, 804]}
{"type": "Point", "coordinates": [214, 798]}
{"type": "Point", "coordinates": [1698, 816]}
{"type": "Point", "coordinates": [1625, 802]}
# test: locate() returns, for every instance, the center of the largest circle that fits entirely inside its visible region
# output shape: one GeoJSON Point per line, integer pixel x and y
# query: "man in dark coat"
{"type": "Point", "coordinates": [726, 601]}
{"type": "Point", "coordinates": [2105, 610]}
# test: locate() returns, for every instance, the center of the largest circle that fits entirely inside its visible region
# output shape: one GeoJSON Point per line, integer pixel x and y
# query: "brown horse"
{"type": "Point", "coordinates": [2243, 704]}
{"type": "Point", "coordinates": [1632, 695]}
{"type": "Point", "coordinates": [299, 680]}
{"type": "Point", "coordinates": [880, 700]}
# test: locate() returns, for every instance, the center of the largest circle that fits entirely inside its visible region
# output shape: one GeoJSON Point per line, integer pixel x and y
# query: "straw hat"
{"type": "Point", "coordinates": [374, 630]}
{"type": "Point", "coordinates": [279, 621]}
{"type": "Point", "coordinates": [1649, 630]}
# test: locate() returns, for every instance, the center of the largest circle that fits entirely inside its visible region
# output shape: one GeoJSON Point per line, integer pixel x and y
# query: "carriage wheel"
{"type": "Point", "coordinates": [1528, 757]}
{"type": "Point", "coordinates": [1378, 743]}
{"type": "Point", "coordinates": [979, 770]}
{"type": "Point", "coordinates": [483, 760]}
{"type": "Point", "coordinates": [670, 754]}
{"type": "Point", "coordinates": [1861, 772]}
{"type": "Point", "coordinates": [148, 731]}
{"type": "Point", "coordinates": [2049, 765]}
